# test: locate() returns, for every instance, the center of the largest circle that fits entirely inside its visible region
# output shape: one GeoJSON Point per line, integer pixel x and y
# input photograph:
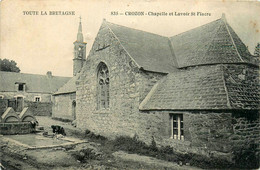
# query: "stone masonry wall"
{"type": "Point", "coordinates": [246, 135]}
{"type": "Point", "coordinates": [16, 128]}
{"type": "Point", "coordinates": [125, 88]}
{"type": "Point", "coordinates": [62, 106]}
{"type": "Point", "coordinates": [208, 133]}
{"type": "Point", "coordinates": [42, 108]}
{"type": "Point", "coordinates": [209, 130]}
{"type": "Point", "coordinates": [205, 133]}
{"type": "Point", "coordinates": [39, 108]}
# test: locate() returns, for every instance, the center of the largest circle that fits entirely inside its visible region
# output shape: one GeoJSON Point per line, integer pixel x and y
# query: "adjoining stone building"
{"type": "Point", "coordinates": [196, 92]}
{"type": "Point", "coordinates": [19, 90]}
{"type": "Point", "coordinates": [64, 101]}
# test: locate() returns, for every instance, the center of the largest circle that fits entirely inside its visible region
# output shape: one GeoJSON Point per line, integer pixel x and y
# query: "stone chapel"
{"type": "Point", "coordinates": [192, 91]}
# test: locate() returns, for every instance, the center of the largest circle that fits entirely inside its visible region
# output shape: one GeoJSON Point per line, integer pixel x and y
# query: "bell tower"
{"type": "Point", "coordinates": [79, 51]}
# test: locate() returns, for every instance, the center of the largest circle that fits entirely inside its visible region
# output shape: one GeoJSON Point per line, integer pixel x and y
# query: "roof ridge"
{"type": "Point", "coordinates": [159, 34]}
{"type": "Point", "coordinates": [150, 93]}
{"type": "Point", "coordinates": [195, 28]}
{"type": "Point", "coordinates": [232, 40]}
{"type": "Point", "coordinates": [121, 44]}
{"type": "Point", "coordinates": [175, 60]}
{"type": "Point", "coordinates": [225, 87]}
{"type": "Point", "coordinates": [213, 36]}
{"type": "Point", "coordinates": [137, 29]}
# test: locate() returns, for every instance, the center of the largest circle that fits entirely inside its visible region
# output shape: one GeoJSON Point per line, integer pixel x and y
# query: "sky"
{"type": "Point", "coordinates": [41, 43]}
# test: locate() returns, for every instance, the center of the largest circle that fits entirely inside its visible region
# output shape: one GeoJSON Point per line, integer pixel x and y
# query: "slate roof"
{"type": "Point", "coordinates": [212, 43]}
{"type": "Point", "coordinates": [34, 82]}
{"type": "Point", "coordinates": [196, 88]}
{"type": "Point", "coordinates": [242, 93]}
{"type": "Point", "coordinates": [215, 42]}
{"type": "Point", "coordinates": [200, 88]}
{"type": "Point", "coordinates": [150, 51]}
{"type": "Point", "coordinates": [69, 87]}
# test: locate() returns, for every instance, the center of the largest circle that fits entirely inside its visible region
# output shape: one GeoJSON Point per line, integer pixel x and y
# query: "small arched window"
{"type": "Point", "coordinates": [102, 86]}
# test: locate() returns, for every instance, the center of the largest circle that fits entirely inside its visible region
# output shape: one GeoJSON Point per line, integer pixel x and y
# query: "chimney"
{"type": "Point", "coordinates": [49, 74]}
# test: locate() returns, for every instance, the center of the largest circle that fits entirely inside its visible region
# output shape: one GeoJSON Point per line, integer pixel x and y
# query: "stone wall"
{"type": "Point", "coordinates": [39, 108]}
{"type": "Point", "coordinates": [16, 128]}
{"type": "Point", "coordinates": [246, 135]}
{"type": "Point", "coordinates": [205, 133]}
{"type": "Point", "coordinates": [127, 84]}
{"type": "Point", "coordinates": [63, 106]}
{"type": "Point", "coordinates": [209, 130]}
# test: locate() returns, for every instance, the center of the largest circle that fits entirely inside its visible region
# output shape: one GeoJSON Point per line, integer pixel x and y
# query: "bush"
{"type": "Point", "coordinates": [95, 137]}
{"type": "Point", "coordinates": [84, 155]}
{"type": "Point", "coordinates": [129, 144]}
{"type": "Point", "coordinates": [247, 157]}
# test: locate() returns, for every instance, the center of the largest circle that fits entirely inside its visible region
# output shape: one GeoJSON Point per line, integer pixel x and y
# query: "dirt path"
{"type": "Point", "coordinates": [88, 155]}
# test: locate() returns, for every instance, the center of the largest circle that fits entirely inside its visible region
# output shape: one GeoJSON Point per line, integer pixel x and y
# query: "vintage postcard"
{"type": "Point", "coordinates": [88, 84]}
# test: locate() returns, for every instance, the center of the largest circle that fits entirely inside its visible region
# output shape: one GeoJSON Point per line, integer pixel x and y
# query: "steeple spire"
{"type": "Point", "coordinates": [79, 51]}
{"type": "Point", "coordinates": [80, 35]}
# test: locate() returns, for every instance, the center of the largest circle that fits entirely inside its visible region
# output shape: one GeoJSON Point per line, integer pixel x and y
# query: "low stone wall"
{"type": "Point", "coordinates": [39, 108]}
{"type": "Point", "coordinates": [212, 134]}
{"type": "Point", "coordinates": [16, 128]}
{"type": "Point", "coordinates": [209, 130]}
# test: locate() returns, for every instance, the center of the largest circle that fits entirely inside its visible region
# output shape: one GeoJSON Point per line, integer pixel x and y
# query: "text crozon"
{"type": "Point", "coordinates": [131, 13]}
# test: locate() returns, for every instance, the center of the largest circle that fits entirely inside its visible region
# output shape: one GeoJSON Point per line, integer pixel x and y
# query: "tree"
{"type": "Point", "coordinates": [8, 65]}
{"type": "Point", "coordinates": [257, 50]}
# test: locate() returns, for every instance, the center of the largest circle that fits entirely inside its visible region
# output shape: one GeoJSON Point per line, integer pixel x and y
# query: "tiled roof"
{"type": "Point", "coordinates": [212, 43]}
{"type": "Point", "coordinates": [69, 87]}
{"type": "Point", "coordinates": [243, 92]}
{"type": "Point", "coordinates": [150, 51]}
{"type": "Point", "coordinates": [202, 88]}
{"type": "Point", "coordinates": [33, 82]}
{"type": "Point", "coordinates": [241, 47]}
{"type": "Point", "coordinates": [215, 42]}
{"type": "Point", "coordinates": [196, 88]}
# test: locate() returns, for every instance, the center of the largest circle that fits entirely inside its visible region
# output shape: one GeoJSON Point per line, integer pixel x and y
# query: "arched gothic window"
{"type": "Point", "coordinates": [102, 86]}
